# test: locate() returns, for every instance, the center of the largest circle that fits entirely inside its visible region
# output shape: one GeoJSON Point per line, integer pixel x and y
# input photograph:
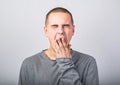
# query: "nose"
{"type": "Point", "coordinates": [60, 30]}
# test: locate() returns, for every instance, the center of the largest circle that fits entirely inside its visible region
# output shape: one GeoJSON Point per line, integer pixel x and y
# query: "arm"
{"type": "Point", "coordinates": [26, 76]}
{"type": "Point", "coordinates": [22, 75]}
{"type": "Point", "coordinates": [92, 73]}
{"type": "Point", "coordinates": [69, 75]}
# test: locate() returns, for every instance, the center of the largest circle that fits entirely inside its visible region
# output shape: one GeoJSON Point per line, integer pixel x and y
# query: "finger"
{"type": "Point", "coordinates": [57, 49]}
{"type": "Point", "coordinates": [69, 46]}
{"type": "Point", "coordinates": [61, 47]}
{"type": "Point", "coordinates": [64, 44]}
{"type": "Point", "coordinates": [64, 41]}
{"type": "Point", "coordinates": [56, 46]}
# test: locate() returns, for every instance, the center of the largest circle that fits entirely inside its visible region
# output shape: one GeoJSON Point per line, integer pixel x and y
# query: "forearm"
{"type": "Point", "coordinates": [68, 73]}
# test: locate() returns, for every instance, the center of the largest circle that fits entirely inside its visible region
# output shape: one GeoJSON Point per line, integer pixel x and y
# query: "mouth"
{"type": "Point", "coordinates": [60, 37]}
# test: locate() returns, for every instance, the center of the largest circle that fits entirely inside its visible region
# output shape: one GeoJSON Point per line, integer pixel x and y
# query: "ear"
{"type": "Point", "coordinates": [45, 31]}
{"type": "Point", "coordinates": [73, 29]}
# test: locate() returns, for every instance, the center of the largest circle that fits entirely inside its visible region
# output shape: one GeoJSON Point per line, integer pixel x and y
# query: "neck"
{"type": "Point", "coordinates": [51, 53]}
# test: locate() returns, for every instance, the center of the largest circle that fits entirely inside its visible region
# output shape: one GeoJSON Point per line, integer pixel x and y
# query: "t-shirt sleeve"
{"type": "Point", "coordinates": [26, 73]}
{"type": "Point", "coordinates": [23, 75]}
{"type": "Point", "coordinates": [92, 73]}
{"type": "Point", "coordinates": [69, 75]}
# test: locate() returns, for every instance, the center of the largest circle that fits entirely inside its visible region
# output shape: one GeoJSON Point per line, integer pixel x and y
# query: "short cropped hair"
{"type": "Point", "coordinates": [59, 9]}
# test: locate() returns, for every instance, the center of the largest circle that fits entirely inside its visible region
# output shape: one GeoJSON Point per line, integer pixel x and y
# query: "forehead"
{"type": "Point", "coordinates": [59, 17]}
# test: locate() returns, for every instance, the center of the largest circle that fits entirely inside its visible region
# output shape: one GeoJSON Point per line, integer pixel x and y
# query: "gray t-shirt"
{"type": "Point", "coordinates": [39, 69]}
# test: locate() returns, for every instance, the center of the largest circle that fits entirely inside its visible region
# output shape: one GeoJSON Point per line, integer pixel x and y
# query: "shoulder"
{"type": "Point", "coordinates": [32, 59]}
{"type": "Point", "coordinates": [82, 57]}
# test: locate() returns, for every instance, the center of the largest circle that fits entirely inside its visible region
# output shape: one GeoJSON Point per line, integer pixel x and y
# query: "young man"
{"type": "Point", "coordinates": [59, 64]}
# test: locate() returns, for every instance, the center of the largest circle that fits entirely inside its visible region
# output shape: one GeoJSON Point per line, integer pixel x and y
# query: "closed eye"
{"type": "Point", "coordinates": [66, 25]}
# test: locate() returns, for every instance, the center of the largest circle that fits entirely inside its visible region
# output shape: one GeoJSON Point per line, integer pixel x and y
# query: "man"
{"type": "Point", "coordinates": [59, 64]}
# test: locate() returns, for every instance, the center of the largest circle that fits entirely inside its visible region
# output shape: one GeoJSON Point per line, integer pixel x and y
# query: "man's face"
{"type": "Point", "coordinates": [58, 26]}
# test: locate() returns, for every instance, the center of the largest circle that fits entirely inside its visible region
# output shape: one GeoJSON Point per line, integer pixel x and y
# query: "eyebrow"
{"type": "Point", "coordinates": [62, 25]}
{"type": "Point", "coordinates": [66, 25]}
{"type": "Point", "coordinates": [54, 25]}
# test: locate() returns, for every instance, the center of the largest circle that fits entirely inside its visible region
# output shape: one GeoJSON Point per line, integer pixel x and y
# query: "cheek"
{"type": "Point", "coordinates": [69, 34]}
{"type": "Point", "coordinates": [51, 35]}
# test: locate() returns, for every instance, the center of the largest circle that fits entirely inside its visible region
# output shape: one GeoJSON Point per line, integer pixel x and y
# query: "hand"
{"type": "Point", "coordinates": [62, 49]}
